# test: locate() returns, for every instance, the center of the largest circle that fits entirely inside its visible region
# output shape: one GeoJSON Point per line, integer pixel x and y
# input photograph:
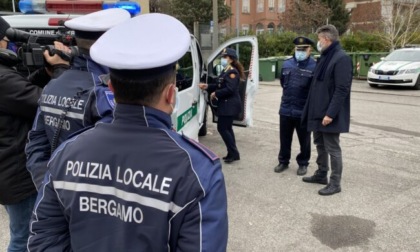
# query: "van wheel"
{"type": "Point", "coordinates": [417, 86]}
{"type": "Point", "coordinates": [373, 85]}
{"type": "Point", "coordinates": [203, 129]}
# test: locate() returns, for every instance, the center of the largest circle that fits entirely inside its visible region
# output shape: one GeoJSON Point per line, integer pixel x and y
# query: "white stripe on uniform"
{"type": "Point", "coordinates": [59, 112]}
{"type": "Point", "coordinates": [127, 196]}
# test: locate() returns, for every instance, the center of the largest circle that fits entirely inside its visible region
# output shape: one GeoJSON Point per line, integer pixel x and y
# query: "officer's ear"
{"type": "Point", "coordinates": [110, 86]}
{"type": "Point", "coordinates": [309, 50]}
{"type": "Point", "coordinates": [171, 93]}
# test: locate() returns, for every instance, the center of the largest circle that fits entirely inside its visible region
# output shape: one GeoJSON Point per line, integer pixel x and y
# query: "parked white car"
{"type": "Point", "coordinates": [399, 68]}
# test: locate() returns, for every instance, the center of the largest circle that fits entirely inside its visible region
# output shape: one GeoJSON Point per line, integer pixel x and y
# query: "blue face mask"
{"type": "Point", "coordinates": [224, 62]}
{"type": "Point", "coordinates": [300, 55]}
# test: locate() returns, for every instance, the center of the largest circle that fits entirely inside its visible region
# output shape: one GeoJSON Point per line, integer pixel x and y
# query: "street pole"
{"type": "Point", "coordinates": [237, 26]}
{"type": "Point", "coordinates": [215, 41]}
{"type": "Point", "coordinates": [237, 18]}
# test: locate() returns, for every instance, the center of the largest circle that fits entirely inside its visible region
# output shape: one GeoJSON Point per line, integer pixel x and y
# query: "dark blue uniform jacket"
{"type": "Point", "coordinates": [227, 92]}
{"type": "Point", "coordinates": [131, 185]}
{"type": "Point", "coordinates": [296, 80]}
{"type": "Point", "coordinates": [79, 99]}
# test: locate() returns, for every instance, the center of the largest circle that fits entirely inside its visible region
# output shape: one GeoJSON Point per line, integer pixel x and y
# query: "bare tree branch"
{"type": "Point", "coordinates": [305, 16]}
{"type": "Point", "coordinates": [400, 22]}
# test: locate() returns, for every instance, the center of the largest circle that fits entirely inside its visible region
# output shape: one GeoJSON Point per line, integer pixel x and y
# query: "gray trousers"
{"type": "Point", "coordinates": [328, 145]}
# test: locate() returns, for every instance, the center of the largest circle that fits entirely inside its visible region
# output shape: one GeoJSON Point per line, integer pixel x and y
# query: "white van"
{"type": "Point", "coordinates": [190, 115]}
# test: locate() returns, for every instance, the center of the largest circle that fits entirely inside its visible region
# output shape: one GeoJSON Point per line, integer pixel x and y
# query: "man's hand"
{"type": "Point", "coordinates": [213, 96]}
{"type": "Point", "coordinates": [56, 59]}
{"type": "Point", "coordinates": [327, 120]}
{"type": "Point", "coordinates": [203, 86]}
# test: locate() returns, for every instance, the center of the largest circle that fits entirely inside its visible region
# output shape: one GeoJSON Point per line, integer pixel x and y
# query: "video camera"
{"type": "Point", "coordinates": [31, 47]}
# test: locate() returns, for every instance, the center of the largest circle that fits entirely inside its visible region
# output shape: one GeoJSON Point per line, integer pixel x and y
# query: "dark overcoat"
{"type": "Point", "coordinates": [330, 96]}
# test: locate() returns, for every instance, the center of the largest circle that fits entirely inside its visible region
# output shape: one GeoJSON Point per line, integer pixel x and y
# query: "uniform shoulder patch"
{"type": "Point", "coordinates": [232, 76]}
{"type": "Point", "coordinates": [210, 154]}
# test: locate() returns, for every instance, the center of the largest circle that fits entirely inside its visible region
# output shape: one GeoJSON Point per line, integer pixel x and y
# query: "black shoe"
{"type": "Point", "coordinates": [224, 158]}
{"type": "Point", "coordinates": [302, 170]}
{"type": "Point", "coordinates": [318, 177]}
{"type": "Point", "coordinates": [281, 168]}
{"type": "Point", "coordinates": [330, 189]}
{"type": "Point", "coordinates": [229, 160]}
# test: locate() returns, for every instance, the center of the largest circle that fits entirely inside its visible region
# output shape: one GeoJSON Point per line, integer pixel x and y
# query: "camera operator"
{"type": "Point", "coordinates": [77, 99]}
{"type": "Point", "coordinates": [18, 103]}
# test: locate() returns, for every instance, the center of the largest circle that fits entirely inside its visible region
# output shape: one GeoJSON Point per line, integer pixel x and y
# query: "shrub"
{"type": "Point", "coordinates": [281, 44]}
{"type": "Point", "coordinates": [364, 42]}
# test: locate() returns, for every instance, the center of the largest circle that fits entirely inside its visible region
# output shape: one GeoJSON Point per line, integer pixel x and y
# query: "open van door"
{"type": "Point", "coordinates": [188, 110]}
{"type": "Point", "coordinates": [247, 50]}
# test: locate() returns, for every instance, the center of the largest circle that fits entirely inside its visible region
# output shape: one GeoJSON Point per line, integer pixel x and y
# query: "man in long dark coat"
{"type": "Point", "coordinates": [327, 110]}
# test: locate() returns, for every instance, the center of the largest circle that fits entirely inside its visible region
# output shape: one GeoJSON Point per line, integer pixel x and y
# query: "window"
{"type": "Point", "coordinates": [184, 72]}
{"type": "Point", "coordinates": [245, 6]}
{"type": "Point", "coordinates": [260, 6]}
{"type": "Point", "coordinates": [271, 5]}
{"type": "Point", "coordinates": [245, 29]}
{"type": "Point", "coordinates": [259, 28]}
{"type": "Point", "coordinates": [282, 5]}
{"type": "Point", "coordinates": [270, 28]}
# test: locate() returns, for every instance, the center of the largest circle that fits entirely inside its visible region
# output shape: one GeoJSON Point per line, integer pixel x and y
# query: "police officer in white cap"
{"type": "Point", "coordinates": [77, 99]}
{"type": "Point", "coordinates": [134, 184]}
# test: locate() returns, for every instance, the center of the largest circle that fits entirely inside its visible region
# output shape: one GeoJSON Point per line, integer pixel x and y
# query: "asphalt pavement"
{"type": "Point", "coordinates": [378, 208]}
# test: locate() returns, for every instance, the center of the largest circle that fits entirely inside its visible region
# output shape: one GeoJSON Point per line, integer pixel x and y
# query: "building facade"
{"type": "Point", "coordinates": [369, 15]}
{"type": "Point", "coordinates": [144, 4]}
{"type": "Point", "coordinates": [254, 15]}
{"type": "Point", "coordinates": [264, 15]}
{"type": "Point", "coordinates": [366, 15]}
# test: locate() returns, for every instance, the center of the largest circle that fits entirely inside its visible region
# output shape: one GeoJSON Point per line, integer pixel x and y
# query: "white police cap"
{"type": "Point", "coordinates": [99, 21]}
{"type": "Point", "coordinates": [144, 42]}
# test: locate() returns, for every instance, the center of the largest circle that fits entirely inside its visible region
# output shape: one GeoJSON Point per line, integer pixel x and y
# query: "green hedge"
{"type": "Point", "coordinates": [276, 44]}
{"type": "Point", "coordinates": [280, 44]}
{"type": "Point", "coordinates": [364, 42]}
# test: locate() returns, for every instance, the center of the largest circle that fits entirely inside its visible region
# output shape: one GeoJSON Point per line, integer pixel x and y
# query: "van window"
{"type": "Point", "coordinates": [185, 72]}
{"type": "Point", "coordinates": [244, 50]}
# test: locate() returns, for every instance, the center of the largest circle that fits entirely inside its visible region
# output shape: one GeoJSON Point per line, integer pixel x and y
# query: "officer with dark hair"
{"type": "Point", "coordinates": [226, 94]}
{"type": "Point", "coordinates": [76, 100]}
{"type": "Point", "coordinates": [134, 184]}
{"type": "Point", "coordinates": [295, 79]}
{"type": "Point", "coordinates": [18, 103]}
